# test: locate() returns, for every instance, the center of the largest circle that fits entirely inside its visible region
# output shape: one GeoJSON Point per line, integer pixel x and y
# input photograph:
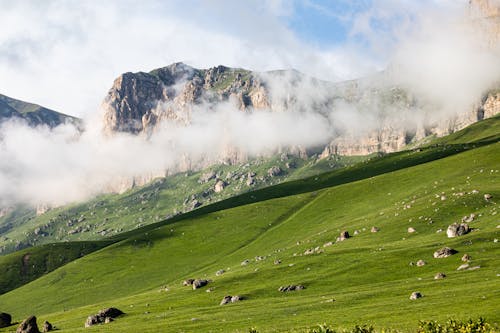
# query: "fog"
{"type": "Point", "coordinates": [439, 55]}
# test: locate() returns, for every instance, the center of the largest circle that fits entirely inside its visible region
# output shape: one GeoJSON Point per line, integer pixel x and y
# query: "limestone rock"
{"type": "Point", "coordinates": [466, 258]}
{"type": "Point", "coordinates": [219, 186]}
{"type": "Point", "coordinates": [457, 229]}
{"type": "Point", "coordinates": [274, 171]}
{"type": "Point", "coordinates": [375, 229]}
{"type": "Point", "coordinates": [28, 325]}
{"type": "Point", "coordinates": [199, 283]}
{"type": "Point", "coordinates": [421, 263]}
{"type": "Point", "coordinates": [230, 299]}
{"type": "Point", "coordinates": [415, 295]}
{"type": "Point", "coordinates": [439, 276]}
{"type": "Point", "coordinates": [444, 252]}
{"type": "Point", "coordinates": [411, 230]}
{"type": "Point", "coordinates": [104, 316]}
{"type": "Point", "coordinates": [343, 236]}
{"type": "Point", "coordinates": [47, 327]}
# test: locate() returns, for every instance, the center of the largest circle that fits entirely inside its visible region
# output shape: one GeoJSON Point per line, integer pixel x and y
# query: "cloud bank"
{"type": "Point", "coordinates": [75, 49]}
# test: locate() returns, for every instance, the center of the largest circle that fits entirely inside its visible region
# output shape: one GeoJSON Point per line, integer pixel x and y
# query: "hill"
{"type": "Point", "coordinates": [33, 114]}
{"type": "Point", "coordinates": [367, 278]}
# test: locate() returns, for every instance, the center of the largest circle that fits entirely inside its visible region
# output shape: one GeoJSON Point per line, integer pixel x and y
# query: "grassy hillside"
{"type": "Point", "coordinates": [112, 214]}
{"type": "Point", "coordinates": [365, 279]}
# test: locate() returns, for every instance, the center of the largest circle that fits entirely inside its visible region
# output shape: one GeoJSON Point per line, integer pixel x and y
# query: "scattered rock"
{"type": "Point", "coordinates": [469, 218]}
{"type": "Point", "coordinates": [415, 295]}
{"type": "Point", "coordinates": [219, 186]}
{"type": "Point", "coordinates": [291, 288]}
{"type": "Point", "coordinates": [5, 319]}
{"type": "Point", "coordinates": [466, 258]}
{"type": "Point", "coordinates": [277, 262]}
{"type": "Point", "coordinates": [104, 316]}
{"type": "Point", "coordinates": [462, 267]}
{"type": "Point", "coordinates": [328, 244]}
{"type": "Point", "coordinates": [230, 299]}
{"type": "Point", "coordinates": [245, 262]}
{"type": "Point", "coordinates": [488, 196]}
{"type": "Point", "coordinates": [28, 326]}
{"type": "Point", "coordinates": [198, 283]}
{"type": "Point", "coordinates": [343, 236]}
{"type": "Point", "coordinates": [411, 230]}
{"type": "Point", "coordinates": [457, 229]}
{"type": "Point", "coordinates": [220, 272]}
{"type": "Point", "coordinates": [47, 327]}
{"type": "Point", "coordinates": [439, 276]}
{"type": "Point", "coordinates": [188, 282]}
{"type": "Point", "coordinates": [206, 177]}
{"type": "Point", "coordinates": [259, 258]}
{"type": "Point", "coordinates": [444, 252]}
{"type": "Point", "coordinates": [274, 171]}
{"type": "Point", "coordinates": [421, 263]}
{"type": "Point", "coordinates": [375, 229]}
{"type": "Point", "coordinates": [313, 251]}
{"type": "Point", "coordinates": [356, 232]}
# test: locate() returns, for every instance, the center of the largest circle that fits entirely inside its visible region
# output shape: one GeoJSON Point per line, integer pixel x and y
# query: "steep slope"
{"type": "Point", "coordinates": [365, 279]}
{"type": "Point", "coordinates": [33, 114]}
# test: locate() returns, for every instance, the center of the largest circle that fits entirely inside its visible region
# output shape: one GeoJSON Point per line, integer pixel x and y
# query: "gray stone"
{"type": "Point", "coordinates": [439, 276]}
{"type": "Point", "coordinates": [415, 295]}
{"type": "Point", "coordinates": [375, 229]}
{"type": "Point", "coordinates": [343, 236]}
{"type": "Point", "coordinates": [421, 263]}
{"type": "Point", "coordinates": [466, 258]}
{"type": "Point", "coordinates": [457, 229]}
{"type": "Point", "coordinates": [47, 327]}
{"type": "Point", "coordinates": [28, 326]}
{"type": "Point", "coordinates": [198, 283]}
{"type": "Point", "coordinates": [226, 300]}
{"type": "Point", "coordinates": [444, 252]}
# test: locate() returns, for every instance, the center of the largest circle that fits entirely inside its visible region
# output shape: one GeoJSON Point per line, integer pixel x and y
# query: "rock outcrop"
{"type": "Point", "coordinates": [28, 325]}
{"type": "Point", "coordinates": [104, 316]}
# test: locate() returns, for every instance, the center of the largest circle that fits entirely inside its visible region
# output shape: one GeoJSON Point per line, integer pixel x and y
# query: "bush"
{"type": "Point", "coordinates": [321, 328]}
{"type": "Point", "coordinates": [454, 326]}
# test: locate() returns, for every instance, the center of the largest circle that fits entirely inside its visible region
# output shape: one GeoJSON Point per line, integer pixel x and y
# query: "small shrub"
{"type": "Point", "coordinates": [321, 328]}
{"type": "Point", "coordinates": [362, 329]}
{"type": "Point", "coordinates": [252, 330]}
{"type": "Point", "coordinates": [454, 326]}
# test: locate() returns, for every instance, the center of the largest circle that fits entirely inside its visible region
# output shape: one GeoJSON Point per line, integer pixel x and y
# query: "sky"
{"type": "Point", "coordinates": [65, 54]}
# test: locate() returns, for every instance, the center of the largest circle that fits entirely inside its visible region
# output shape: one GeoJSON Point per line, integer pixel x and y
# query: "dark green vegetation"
{"type": "Point", "coordinates": [366, 279]}
{"type": "Point", "coordinates": [33, 114]}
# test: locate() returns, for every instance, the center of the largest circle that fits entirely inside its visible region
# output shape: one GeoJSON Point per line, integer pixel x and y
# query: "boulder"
{"type": "Point", "coordinates": [466, 258]}
{"type": "Point", "coordinates": [219, 186]}
{"type": "Point", "coordinates": [457, 229]}
{"type": "Point", "coordinates": [421, 263]}
{"type": "Point", "coordinates": [188, 282]}
{"type": "Point", "coordinates": [198, 283]}
{"type": "Point", "coordinates": [104, 316]}
{"type": "Point", "coordinates": [343, 236]}
{"type": "Point", "coordinates": [411, 230]}
{"type": "Point", "coordinates": [226, 300]}
{"type": "Point", "coordinates": [444, 252]}
{"type": "Point", "coordinates": [245, 262]}
{"type": "Point", "coordinates": [5, 319]}
{"type": "Point", "coordinates": [415, 295]}
{"type": "Point", "coordinates": [488, 196]}
{"type": "Point", "coordinates": [47, 327]}
{"type": "Point", "coordinates": [274, 171]}
{"type": "Point", "coordinates": [439, 276]}
{"type": "Point", "coordinates": [375, 229]}
{"type": "Point", "coordinates": [220, 272]}
{"type": "Point", "coordinates": [469, 218]}
{"type": "Point", "coordinates": [28, 326]}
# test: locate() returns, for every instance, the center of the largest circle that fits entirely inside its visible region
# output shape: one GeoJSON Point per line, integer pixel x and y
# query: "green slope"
{"type": "Point", "coordinates": [368, 277]}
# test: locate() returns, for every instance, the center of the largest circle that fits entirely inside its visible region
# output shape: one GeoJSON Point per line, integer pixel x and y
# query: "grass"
{"type": "Point", "coordinates": [366, 279]}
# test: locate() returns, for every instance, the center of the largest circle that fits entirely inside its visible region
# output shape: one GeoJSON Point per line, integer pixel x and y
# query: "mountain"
{"type": "Point", "coordinates": [396, 209]}
{"type": "Point", "coordinates": [33, 114]}
{"type": "Point", "coordinates": [141, 103]}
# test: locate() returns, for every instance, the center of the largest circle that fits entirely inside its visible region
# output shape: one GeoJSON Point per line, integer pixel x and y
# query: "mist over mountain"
{"type": "Point", "coordinates": [444, 75]}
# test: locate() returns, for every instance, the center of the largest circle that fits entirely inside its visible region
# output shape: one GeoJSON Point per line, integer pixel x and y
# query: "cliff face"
{"type": "Point", "coordinates": [139, 102]}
